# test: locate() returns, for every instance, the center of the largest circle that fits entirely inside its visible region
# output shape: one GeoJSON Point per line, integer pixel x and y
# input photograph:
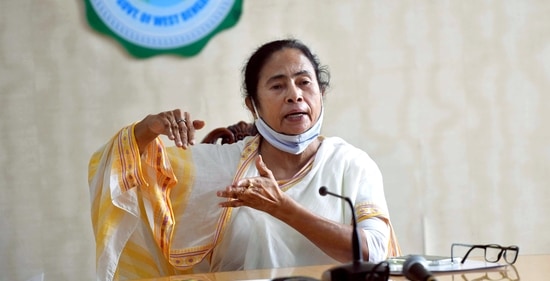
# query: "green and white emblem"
{"type": "Point", "coordinates": [150, 27]}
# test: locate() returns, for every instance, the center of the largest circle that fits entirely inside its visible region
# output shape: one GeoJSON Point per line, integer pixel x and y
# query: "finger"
{"type": "Point", "coordinates": [251, 184]}
{"type": "Point", "coordinates": [185, 130]}
{"type": "Point", "coordinates": [177, 133]}
{"type": "Point", "coordinates": [169, 131]}
{"type": "Point", "coordinates": [178, 117]}
{"type": "Point", "coordinates": [174, 131]}
{"type": "Point", "coordinates": [233, 195]}
{"type": "Point", "coordinates": [263, 169]}
{"type": "Point", "coordinates": [176, 121]}
{"type": "Point", "coordinates": [198, 124]}
{"type": "Point", "coordinates": [190, 128]}
{"type": "Point", "coordinates": [230, 192]}
{"type": "Point", "coordinates": [247, 184]}
{"type": "Point", "coordinates": [182, 130]}
{"type": "Point", "coordinates": [231, 203]}
{"type": "Point", "coordinates": [167, 119]}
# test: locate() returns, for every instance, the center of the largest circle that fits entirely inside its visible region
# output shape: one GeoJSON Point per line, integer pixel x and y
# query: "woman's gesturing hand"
{"type": "Point", "coordinates": [261, 193]}
{"type": "Point", "coordinates": [177, 126]}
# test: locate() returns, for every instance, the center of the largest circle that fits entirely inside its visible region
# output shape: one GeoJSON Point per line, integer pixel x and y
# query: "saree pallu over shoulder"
{"type": "Point", "coordinates": [131, 208]}
{"type": "Point", "coordinates": [117, 209]}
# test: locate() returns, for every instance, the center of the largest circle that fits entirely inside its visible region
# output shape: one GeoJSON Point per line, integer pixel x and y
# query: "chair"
{"type": "Point", "coordinates": [231, 134]}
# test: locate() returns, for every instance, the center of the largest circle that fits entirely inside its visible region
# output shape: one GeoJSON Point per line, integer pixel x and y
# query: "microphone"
{"type": "Point", "coordinates": [357, 269]}
{"type": "Point", "coordinates": [414, 269]}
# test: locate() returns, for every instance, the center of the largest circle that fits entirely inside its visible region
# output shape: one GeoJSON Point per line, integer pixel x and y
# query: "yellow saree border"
{"type": "Point", "coordinates": [369, 210]}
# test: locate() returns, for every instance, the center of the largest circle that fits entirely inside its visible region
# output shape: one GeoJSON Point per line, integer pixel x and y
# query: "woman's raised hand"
{"type": "Point", "coordinates": [175, 124]}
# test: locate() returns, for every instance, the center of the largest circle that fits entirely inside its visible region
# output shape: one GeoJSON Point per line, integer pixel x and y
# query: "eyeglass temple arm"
{"type": "Point", "coordinates": [472, 247]}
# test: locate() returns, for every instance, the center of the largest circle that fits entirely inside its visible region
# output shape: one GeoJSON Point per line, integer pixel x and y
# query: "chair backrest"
{"type": "Point", "coordinates": [231, 134]}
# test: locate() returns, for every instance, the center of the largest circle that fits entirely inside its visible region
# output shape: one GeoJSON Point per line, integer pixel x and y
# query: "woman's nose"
{"type": "Point", "coordinates": [294, 94]}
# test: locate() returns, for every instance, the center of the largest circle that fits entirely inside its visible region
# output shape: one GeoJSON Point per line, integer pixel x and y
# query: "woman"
{"type": "Point", "coordinates": [161, 210]}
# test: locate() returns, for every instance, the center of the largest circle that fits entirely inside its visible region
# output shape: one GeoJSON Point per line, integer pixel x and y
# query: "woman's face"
{"type": "Point", "coordinates": [289, 97]}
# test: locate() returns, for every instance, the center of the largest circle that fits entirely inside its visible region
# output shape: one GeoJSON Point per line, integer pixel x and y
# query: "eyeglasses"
{"type": "Point", "coordinates": [492, 252]}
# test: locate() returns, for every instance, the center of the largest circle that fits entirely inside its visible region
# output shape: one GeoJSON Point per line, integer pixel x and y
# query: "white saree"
{"type": "Point", "coordinates": [158, 214]}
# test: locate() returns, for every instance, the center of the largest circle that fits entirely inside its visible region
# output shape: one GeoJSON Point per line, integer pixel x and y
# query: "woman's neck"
{"type": "Point", "coordinates": [285, 165]}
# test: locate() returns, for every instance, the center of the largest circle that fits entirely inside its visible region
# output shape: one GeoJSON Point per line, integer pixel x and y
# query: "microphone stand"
{"type": "Point", "coordinates": [357, 269]}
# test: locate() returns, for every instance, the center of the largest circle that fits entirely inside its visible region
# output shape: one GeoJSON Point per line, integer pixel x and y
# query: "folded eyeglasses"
{"type": "Point", "coordinates": [492, 252]}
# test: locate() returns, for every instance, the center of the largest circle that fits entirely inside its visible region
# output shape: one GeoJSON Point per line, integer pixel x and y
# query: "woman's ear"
{"type": "Point", "coordinates": [250, 106]}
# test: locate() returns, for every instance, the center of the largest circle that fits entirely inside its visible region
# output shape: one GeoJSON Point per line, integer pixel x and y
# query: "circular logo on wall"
{"type": "Point", "coordinates": [150, 27]}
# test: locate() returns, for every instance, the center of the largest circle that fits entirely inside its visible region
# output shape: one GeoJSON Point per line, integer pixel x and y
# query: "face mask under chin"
{"type": "Point", "coordinates": [294, 144]}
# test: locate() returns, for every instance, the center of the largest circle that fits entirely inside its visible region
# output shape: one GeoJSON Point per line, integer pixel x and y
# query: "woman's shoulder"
{"type": "Point", "coordinates": [342, 150]}
{"type": "Point", "coordinates": [341, 145]}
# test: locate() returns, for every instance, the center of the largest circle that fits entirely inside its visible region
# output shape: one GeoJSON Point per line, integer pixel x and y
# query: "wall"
{"type": "Point", "coordinates": [449, 97]}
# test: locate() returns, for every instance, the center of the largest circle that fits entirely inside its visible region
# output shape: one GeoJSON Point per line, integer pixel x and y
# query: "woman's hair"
{"type": "Point", "coordinates": [251, 71]}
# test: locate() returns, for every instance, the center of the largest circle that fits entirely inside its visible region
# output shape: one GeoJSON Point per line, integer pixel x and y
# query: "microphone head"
{"type": "Point", "coordinates": [323, 190]}
{"type": "Point", "coordinates": [414, 268]}
{"type": "Point", "coordinates": [412, 259]}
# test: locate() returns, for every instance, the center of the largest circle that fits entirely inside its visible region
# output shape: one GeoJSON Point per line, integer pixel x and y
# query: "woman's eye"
{"type": "Point", "coordinates": [305, 82]}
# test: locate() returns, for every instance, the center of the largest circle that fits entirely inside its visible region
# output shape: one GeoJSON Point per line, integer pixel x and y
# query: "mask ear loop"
{"type": "Point", "coordinates": [254, 106]}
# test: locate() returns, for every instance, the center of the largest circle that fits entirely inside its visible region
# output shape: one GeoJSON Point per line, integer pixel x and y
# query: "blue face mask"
{"type": "Point", "coordinates": [294, 144]}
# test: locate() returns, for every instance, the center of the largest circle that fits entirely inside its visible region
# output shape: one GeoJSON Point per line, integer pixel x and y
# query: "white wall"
{"type": "Point", "coordinates": [449, 97]}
